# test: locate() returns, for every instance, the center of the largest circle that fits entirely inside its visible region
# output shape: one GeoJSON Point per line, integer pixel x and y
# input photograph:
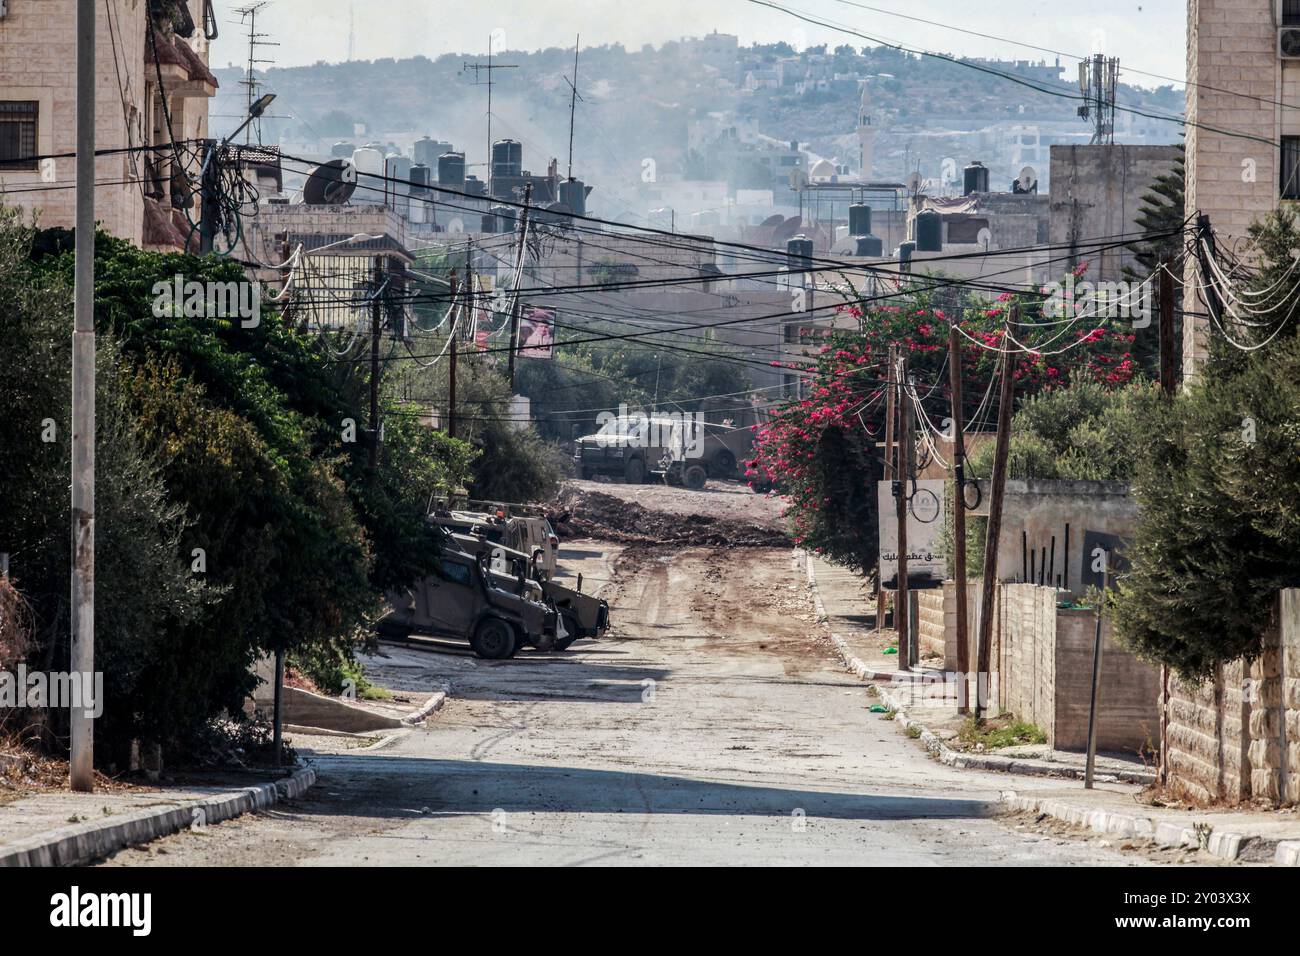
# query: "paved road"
{"type": "Point", "coordinates": [712, 727]}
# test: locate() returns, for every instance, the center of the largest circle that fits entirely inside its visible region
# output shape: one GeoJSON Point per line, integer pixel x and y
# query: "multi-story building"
{"type": "Point", "coordinates": [1243, 128]}
{"type": "Point", "coordinates": [142, 100]}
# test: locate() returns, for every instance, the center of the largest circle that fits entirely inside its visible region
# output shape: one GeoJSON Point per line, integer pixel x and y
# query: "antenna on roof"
{"type": "Point", "coordinates": [250, 82]}
{"type": "Point", "coordinates": [488, 67]}
{"type": "Point", "coordinates": [573, 99]}
{"type": "Point", "coordinates": [352, 31]}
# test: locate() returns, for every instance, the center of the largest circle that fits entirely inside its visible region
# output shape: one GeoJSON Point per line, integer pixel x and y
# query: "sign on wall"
{"type": "Point", "coordinates": [926, 561]}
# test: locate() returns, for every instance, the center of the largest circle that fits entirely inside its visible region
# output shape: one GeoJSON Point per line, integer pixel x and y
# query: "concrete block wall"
{"type": "Point", "coordinates": [1236, 737]}
{"type": "Point", "coordinates": [930, 621]}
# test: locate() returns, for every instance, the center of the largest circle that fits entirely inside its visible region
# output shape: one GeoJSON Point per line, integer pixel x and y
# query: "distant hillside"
{"type": "Point", "coordinates": [641, 104]}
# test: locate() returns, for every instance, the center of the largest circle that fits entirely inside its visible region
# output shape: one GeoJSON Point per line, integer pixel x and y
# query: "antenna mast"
{"type": "Point", "coordinates": [487, 68]}
{"type": "Point", "coordinates": [250, 82]}
{"type": "Point", "coordinates": [1098, 79]}
{"type": "Point", "coordinates": [573, 100]}
{"type": "Point", "coordinates": [352, 31]}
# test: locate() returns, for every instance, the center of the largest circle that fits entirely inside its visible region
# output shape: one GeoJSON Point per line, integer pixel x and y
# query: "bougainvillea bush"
{"type": "Point", "coordinates": [820, 450]}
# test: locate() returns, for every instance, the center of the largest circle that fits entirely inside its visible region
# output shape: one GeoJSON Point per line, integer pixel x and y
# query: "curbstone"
{"type": "Point", "coordinates": [81, 843]}
{"type": "Point", "coordinates": [1287, 853]}
{"type": "Point", "coordinates": [429, 707]}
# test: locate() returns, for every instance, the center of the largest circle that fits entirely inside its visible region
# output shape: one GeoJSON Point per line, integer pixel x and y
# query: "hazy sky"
{"type": "Point", "coordinates": [1144, 35]}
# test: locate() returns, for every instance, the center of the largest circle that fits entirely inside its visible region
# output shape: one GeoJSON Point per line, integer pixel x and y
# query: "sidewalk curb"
{"type": "Point", "coordinates": [850, 662]}
{"type": "Point", "coordinates": [80, 843]}
{"type": "Point", "coordinates": [1223, 844]}
{"type": "Point", "coordinates": [429, 707]}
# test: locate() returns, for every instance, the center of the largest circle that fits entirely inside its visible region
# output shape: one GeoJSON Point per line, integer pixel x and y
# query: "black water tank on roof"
{"type": "Point", "coordinates": [859, 219]}
{"type": "Point", "coordinates": [929, 231]}
{"type": "Point", "coordinates": [975, 178]}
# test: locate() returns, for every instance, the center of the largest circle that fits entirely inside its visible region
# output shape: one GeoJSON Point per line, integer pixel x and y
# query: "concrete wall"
{"type": "Point", "coordinates": [1045, 675]}
{"type": "Point", "coordinates": [931, 621]}
{"type": "Point", "coordinates": [1096, 192]}
{"type": "Point", "coordinates": [1232, 49]}
{"type": "Point", "coordinates": [1042, 509]}
{"type": "Point", "coordinates": [1236, 737]}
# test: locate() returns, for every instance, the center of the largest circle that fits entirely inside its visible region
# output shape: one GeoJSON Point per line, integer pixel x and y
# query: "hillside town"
{"type": "Point", "coordinates": [845, 435]}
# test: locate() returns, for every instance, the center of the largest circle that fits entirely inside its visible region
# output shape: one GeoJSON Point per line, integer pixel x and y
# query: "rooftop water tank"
{"type": "Point", "coordinates": [451, 170]}
{"type": "Point", "coordinates": [929, 231]}
{"type": "Point", "coordinates": [975, 178]}
{"type": "Point", "coordinates": [507, 158]}
{"type": "Point", "coordinates": [868, 246]}
{"type": "Point", "coordinates": [505, 217]}
{"type": "Point", "coordinates": [905, 250]}
{"type": "Point", "coordinates": [859, 219]}
{"type": "Point", "coordinates": [370, 168]}
{"type": "Point", "coordinates": [799, 250]}
{"type": "Point", "coordinates": [421, 180]}
{"type": "Point", "coordinates": [573, 193]}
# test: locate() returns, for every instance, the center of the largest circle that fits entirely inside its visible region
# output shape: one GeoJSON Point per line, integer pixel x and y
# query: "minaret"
{"type": "Point", "coordinates": [866, 137]}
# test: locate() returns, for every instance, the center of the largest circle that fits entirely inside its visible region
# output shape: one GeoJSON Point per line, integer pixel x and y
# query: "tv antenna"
{"type": "Point", "coordinates": [352, 31]}
{"type": "Point", "coordinates": [573, 99]}
{"type": "Point", "coordinates": [1098, 79]}
{"type": "Point", "coordinates": [248, 15]}
{"type": "Point", "coordinates": [481, 69]}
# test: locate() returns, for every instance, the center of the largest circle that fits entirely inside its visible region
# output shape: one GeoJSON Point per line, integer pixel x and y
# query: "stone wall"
{"type": "Point", "coordinates": [930, 621]}
{"type": "Point", "coordinates": [1236, 737]}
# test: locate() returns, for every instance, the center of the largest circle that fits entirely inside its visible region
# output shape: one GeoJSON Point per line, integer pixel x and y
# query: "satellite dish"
{"type": "Point", "coordinates": [776, 219]}
{"type": "Point", "coordinates": [1027, 181]}
{"type": "Point", "coordinates": [456, 226]}
{"type": "Point", "coordinates": [985, 237]}
{"type": "Point", "coordinates": [914, 182]}
{"type": "Point", "coordinates": [787, 230]}
{"type": "Point", "coordinates": [330, 184]}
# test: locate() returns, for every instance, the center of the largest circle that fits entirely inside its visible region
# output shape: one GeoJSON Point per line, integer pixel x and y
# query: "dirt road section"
{"type": "Point", "coordinates": [711, 726]}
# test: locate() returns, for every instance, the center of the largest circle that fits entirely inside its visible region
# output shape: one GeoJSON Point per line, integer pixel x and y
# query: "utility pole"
{"type": "Point", "coordinates": [902, 608]}
{"type": "Point", "coordinates": [277, 715]}
{"type": "Point", "coordinates": [959, 515]}
{"type": "Point", "coordinates": [451, 372]}
{"type": "Point", "coordinates": [1167, 372]}
{"type": "Point", "coordinates": [1096, 676]}
{"type": "Point", "coordinates": [376, 331]}
{"type": "Point", "coordinates": [81, 760]}
{"type": "Point", "coordinates": [994, 528]}
{"type": "Point", "coordinates": [887, 473]}
{"type": "Point", "coordinates": [519, 278]}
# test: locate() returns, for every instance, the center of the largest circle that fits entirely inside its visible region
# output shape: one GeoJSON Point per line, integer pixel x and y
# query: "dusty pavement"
{"type": "Point", "coordinates": [711, 726]}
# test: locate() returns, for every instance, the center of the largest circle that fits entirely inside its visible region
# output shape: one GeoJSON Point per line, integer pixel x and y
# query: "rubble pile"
{"type": "Point", "coordinates": [592, 514]}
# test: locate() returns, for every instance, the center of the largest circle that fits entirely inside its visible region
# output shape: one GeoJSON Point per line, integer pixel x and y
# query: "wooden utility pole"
{"type": "Point", "coordinates": [376, 331]}
{"type": "Point", "coordinates": [959, 516]}
{"type": "Point", "coordinates": [451, 368]}
{"type": "Point", "coordinates": [994, 529]}
{"type": "Point", "coordinates": [82, 637]}
{"type": "Point", "coordinates": [887, 473]}
{"type": "Point", "coordinates": [902, 615]}
{"type": "Point", "coordinates": [519, 278]}
{"type": "Point", "coordinates": [1168, 375]}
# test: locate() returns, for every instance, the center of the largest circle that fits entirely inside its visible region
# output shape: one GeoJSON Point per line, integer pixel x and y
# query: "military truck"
{"type": "Point", "coordinates": [579, 615]}
{"type": "Point", "coordinates": [626, 447]}
{"type": "Point", "coordinates": [465, 599]}
{"type": "Point", "coordinates": [709, 451]}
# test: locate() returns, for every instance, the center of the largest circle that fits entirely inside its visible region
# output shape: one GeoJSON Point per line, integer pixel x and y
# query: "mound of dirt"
{"type": "Point", "coordinates": [594, 514]}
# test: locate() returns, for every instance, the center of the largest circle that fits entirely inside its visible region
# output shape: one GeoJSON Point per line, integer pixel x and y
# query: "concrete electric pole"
{"type": "Point", "coordinates": [81, 760]}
